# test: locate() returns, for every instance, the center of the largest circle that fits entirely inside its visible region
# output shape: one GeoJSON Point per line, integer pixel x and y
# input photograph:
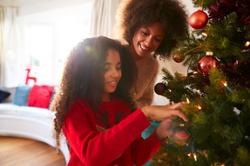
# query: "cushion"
{"type": "Point", "coordinates": [3, 95]}
{"type": "Point", "coordinates": [12, 91]}
{"type": "Point", "coordinates": [21, 95]}
{"type": "Point", "coordinates": [40, 96]}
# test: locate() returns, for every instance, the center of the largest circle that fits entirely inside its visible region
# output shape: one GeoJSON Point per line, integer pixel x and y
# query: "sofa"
{"type": "Point", "coordinates": [28, 121]}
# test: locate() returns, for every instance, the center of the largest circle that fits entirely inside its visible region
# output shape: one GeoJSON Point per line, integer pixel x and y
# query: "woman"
{"type": "Point", "coordinates": [150, 28]}
{"type": "Point", "coordinates": [94, 108]}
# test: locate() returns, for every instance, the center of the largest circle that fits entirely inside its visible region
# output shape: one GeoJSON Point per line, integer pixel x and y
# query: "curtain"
{"type": "Point", "coordinates": [103, 17]}
{"type": "Point", "coordinates": [8, 45]}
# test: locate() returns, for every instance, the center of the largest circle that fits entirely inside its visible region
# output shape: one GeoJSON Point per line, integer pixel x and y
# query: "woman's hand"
{"type": "Point", "coordinates": [165, 130]}
{"type": "Point", "coordinates": [160, 113]}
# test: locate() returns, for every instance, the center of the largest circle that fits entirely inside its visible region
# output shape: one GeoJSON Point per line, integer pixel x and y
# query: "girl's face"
{"type": "Point", "coordinates": [147, 39]}
{"type": "Point", "coordinates": [112, 72]}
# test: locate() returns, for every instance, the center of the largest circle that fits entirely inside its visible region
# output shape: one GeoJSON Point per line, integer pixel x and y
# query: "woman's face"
{"type": "Point", "coordinates": [112, 72]}
{"type": "Point", "coordinates": [147, 39]}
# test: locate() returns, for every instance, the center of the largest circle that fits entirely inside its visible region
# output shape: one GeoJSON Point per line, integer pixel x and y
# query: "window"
{"type": "Point", "coordinates": [46, 39]}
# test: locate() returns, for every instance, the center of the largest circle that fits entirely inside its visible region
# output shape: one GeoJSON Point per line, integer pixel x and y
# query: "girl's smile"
{"type": "Point", "coordinates": [112, 73]}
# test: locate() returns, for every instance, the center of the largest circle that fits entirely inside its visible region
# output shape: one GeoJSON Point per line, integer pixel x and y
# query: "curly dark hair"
{"type": "Point", "coordinates": [134, 14]}
{"type": "Point", "coordinates": [83, 77]}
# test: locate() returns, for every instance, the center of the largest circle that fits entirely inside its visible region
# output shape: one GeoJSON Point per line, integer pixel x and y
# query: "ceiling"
{"type": "Point", "coordinates": [34, 6]}
{"type": "Point", "coordinates": [16, 2]}
{"type": "Point", "coordinates": [23, 3]}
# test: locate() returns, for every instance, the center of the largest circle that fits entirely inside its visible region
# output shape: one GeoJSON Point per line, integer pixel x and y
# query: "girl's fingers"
{"type": "Point", "coordinates": [177, 105]}
{"type": "Point", "coordinates": [160, 113]}
{"type": "Point", "coordinates": [173, 112]}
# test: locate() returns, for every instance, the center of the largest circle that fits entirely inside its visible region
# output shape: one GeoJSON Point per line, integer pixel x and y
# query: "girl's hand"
{"type": "Point", "coordinates": [160, 113]}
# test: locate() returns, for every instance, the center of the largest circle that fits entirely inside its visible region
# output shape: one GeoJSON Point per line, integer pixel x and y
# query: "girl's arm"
{"type": "Point", "coordinates": [101, 148]}
{"type": "Point", "coordinates": [144, 149]}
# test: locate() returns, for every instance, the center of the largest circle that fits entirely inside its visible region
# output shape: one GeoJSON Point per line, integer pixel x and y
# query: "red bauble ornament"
{"type": "Point", "coordinates": [206, 63]}
{"type": "Point", "coordinates": [180, 137]}
{"type": "Point", "coordinates": [198, 19]}
{"type": "Point", "coordinates": [160, 88]}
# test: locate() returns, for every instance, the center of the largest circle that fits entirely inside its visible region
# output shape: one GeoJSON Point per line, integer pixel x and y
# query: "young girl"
{"type": "Point", "coordinates": [95, 111]}
{"type": "Point", "coordinates": [150, 28]}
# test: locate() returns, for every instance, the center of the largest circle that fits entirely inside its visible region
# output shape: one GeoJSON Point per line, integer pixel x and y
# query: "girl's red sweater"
{"type": "Point", "coordinates": [109, 137]}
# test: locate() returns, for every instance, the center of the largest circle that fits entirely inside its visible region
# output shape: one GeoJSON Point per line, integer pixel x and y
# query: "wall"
{"type": "Point", "coordinates": [170, 64]}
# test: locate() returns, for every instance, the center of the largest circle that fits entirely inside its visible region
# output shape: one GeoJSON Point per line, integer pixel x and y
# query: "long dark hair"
{"type": "Point", "coordinates": [83, 77]}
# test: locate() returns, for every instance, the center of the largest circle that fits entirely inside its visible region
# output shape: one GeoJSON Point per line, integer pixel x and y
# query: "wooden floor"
{"type": "Point", "coordinates": [27, 152]}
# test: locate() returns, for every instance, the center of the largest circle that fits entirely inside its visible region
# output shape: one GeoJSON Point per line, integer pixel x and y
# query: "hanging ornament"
{"type": "Point", "coordinates": [160, 88]}
{"type": "Point", "coordinates": [178, 58]}
{"type": "Point", "coordinates": [198, 19]}
{"type": "Point", "coordinates": [179, 137]}
{"type": "Point", "coordinates": [206, 63]}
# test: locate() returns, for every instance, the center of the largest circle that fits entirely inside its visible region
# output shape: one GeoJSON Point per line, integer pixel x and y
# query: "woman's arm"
{"type": "Point", "coordinates": [147, 96]}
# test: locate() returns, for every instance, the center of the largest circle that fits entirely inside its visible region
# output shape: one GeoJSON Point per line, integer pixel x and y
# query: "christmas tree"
{"type": "Point", "coordinates": [216, 88]}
